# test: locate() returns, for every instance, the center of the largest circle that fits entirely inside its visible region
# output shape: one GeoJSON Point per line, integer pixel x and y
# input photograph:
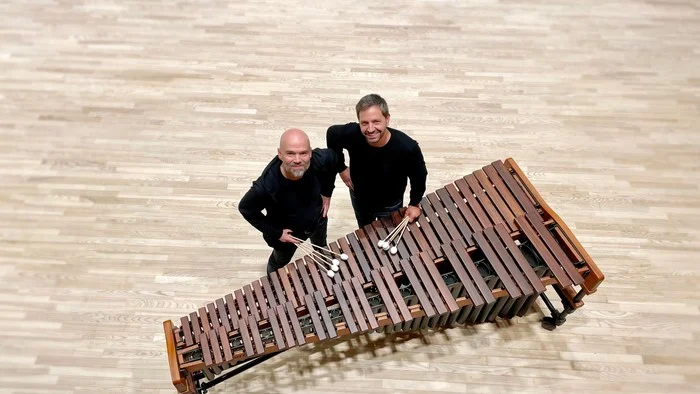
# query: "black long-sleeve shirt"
{"type": "Point", "coordinates": [379, 175]}
{"type": "Point", "coordinates": [290, 204]}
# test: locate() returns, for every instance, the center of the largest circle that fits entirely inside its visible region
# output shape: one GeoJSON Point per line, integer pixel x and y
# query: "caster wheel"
{"type": "Point", "coordinates": [548, 324]}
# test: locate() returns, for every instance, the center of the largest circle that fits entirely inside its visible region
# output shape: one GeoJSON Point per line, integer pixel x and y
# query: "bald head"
{"type": "Point", "coordinates": [294, 137]}
{"type": "Point", "coordinates": [295, 153]}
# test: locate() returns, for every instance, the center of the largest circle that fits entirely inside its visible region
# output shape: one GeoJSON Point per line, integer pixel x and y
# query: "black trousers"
{"type": "Point", "coordinates": [282, 252]}
{"type": "Point", "coordinates": [365, 216]}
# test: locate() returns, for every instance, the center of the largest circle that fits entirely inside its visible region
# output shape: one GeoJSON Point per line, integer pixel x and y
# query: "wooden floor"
{"type": "Point", "coordinates": [129, 131]}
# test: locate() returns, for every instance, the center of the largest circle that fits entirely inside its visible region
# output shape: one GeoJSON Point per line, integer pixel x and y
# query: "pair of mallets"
{"type": "Point", "coordinates": [394, 236]}
{"type": "Point", "coordinates": [323, 261]}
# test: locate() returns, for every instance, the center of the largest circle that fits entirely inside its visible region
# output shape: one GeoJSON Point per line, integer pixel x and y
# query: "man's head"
{"type": "Point", "coordinates": [295, 152]}
{"type": "Point", "coordinates": [373, 116]}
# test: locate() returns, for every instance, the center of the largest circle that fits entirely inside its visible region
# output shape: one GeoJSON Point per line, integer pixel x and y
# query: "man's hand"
{"type": "Point", "coordinates": [326, 205]}
{"type": "Point", "coordinates": [412, 213]}
{"type": "Point", "coordinates": [287, 237]}
{"type": "Point", "coordinates": [345, 176]}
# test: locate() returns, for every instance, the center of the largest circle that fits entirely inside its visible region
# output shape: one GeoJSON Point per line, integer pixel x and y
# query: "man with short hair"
{"type": "Point", "coordinates": [382, 159]}
{"type": "Point", "coordinates": [295, 191]}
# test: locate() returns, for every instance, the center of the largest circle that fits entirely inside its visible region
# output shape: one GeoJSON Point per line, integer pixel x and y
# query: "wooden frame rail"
{"type": "Point", "coordinates": [595, 277]}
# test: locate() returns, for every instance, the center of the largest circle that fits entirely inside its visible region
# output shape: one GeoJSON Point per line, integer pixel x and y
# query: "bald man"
{"type": "Point", "coordinates": [295, 191]}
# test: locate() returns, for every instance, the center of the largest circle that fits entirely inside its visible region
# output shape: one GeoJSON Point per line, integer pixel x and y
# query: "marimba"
{"type": "Point", "coordinates": [485, 246]}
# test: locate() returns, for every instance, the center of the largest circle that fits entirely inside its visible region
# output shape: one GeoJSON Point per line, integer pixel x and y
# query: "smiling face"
{"type": "Point", "coordinates": [295, 153]}
{"type": "Point", "coordinates": [374, 125]}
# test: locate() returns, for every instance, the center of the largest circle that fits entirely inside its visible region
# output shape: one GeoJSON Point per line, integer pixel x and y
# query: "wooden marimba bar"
{"type": "Point", "coordinates": [485, 246]}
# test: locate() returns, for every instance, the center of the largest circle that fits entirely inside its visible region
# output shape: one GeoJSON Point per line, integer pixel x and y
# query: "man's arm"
{"type": "Point", "coordinates": [418, 175]}
{"type": "Point", "coordinates": [328, 163]}
{"type": "Point", "coordinates": [251, 206]}
{"type": "Point", "coordinates": [337, 139]}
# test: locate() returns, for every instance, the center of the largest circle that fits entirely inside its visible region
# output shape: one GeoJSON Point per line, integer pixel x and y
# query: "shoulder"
{"type": "Point", "coordinates": [323, 158]}
{"type": "Point", "coordinates": [344, 129]}
{"type": "Point", "coordinates": [403, 141]}
{"type": "Point", "coordinates": [268, 180]}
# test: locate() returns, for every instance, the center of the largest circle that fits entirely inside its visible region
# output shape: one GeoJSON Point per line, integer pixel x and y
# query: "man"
{"type": "Point", "coordinates": [295, 191]}
{"type": "Point", "coordinates": [381, 161]}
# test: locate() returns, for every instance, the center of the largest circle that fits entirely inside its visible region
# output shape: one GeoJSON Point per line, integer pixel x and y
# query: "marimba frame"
{"type": "Point", "coordinates": [478, 222]}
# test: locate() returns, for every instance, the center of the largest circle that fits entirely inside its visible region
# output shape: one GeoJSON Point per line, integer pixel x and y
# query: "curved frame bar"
{"type": "Point", "coordinates": [595, 277]}
{"type": "Point", "coordinates": [178, 379]}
